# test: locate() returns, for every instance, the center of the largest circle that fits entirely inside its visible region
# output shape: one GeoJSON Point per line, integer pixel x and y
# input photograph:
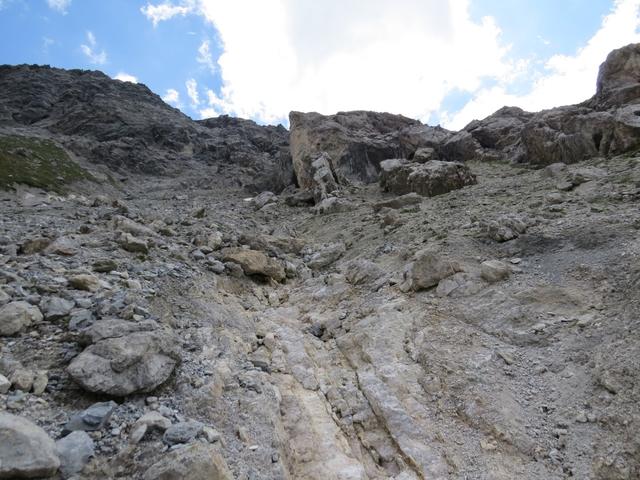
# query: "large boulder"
{"type": "Point", "coordinates": [16, 316]}
{"type": "Point", "coordinates": [26, 451]}
{"type": "Point", "coordinates": [427, 269]}
{"type": "Point", "coordinates": [355, 141]}
{"type": "Point", "coordinates": [428, 179]}
{"type": "Point", "coordinates": [255, 263]}
{"type": "Point", "coordinates": [195, 462]}
{"type": "Point", "coordinates": [134, 362]}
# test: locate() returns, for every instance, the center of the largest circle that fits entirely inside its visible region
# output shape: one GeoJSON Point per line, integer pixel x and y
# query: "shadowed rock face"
{"type": "Point", "coordinates": [356, 142]}
{"type": "Point", "coordinates": [128, 127]}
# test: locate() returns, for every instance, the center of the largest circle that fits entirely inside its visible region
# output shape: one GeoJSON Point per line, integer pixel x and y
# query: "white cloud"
{"type": "Point", "coordinates": [566, 79]}
{"type": "Point", "coordinates": [91, 50]}
{"type": "Point", "coordinates": [125, 77]}
{"type": "Point", "coordinates": [165, 11]}
{"type": "Point", "coordinates": [204, 56]}
{"type": "Point", "coordinates": [60, 6]}
{"type": "Point", "coordinates": [172, 97]}
{"type": "Point", "coordinates": [192, 91]}
{"type": "Point", "coordinates": [403, 57]}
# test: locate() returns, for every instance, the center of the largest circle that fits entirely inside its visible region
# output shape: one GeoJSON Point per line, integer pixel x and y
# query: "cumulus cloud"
{"type": "Point", "coordinates": [165, 11]}
{"type": "Point", "coordinates": [205, 57]}
{"type": "Point", "coordinates": [172, 97]}
{"type": "Point", "coordinates": [192, 92]}
{"type": "Point", "coordinates": [403, 57]}
{"type": "Point", "coordinates": [60, 6]}
{"type": "Point", "coordinates": [125, 77]}
{"type": "Point", "coordinates": [565, 79]}
{"type": "Point", "coordinates": [91, 51]}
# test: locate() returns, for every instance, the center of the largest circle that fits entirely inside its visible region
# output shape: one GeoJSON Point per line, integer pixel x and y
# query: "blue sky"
{"type": "Point", "coordinates": [437, 60]}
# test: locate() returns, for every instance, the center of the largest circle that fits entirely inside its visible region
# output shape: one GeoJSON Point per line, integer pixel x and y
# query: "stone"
{"type": "Point", "coordinates": [40, 382]}
{"type": "Point", "coordinates": [34, 245]}
{"type": "Point", "coordinates": [426, 270]}
{"type": "Point", "coordinates": [505, 228]}
{"type": "Point", "coordinates": [331, 205]}
{"type": "Point", "coordinates": [26, 451]}
{"type": "Point", "coordinates": [64, 246]}
{"type": "Point", "coordinates": [16, 316]}
{"type": "Point", "coordinates": [362, 271]}
{"type": "Point", "coordinates": [326, 255]}
{"type": "Point", "coordinates": [432, 178]}
{"type": "Point", "coordinates": [183, 432]}
{"type": "Point", "coordinates": [264, 198]}
{"type": "Point", "coordinates": [4, 297]}
{"type": "Point", "coordinates": [254, 262]}
{"type": "Point", "coordinates": [150, 421]}
{"type": "Point", "coordinates": [22, 379]}
{"type": "Point", "coordinates": [86, 282]}
{"type": "Point", "coordinates": [323, 178]}
{"type": "Point", "coordinates": [5, 384]}
{"type": "Point", "coordinates": [75, 451]}
{"type": "Point", "coordinates": [133, 244]}
{"type": "Point", "coordinates": [494, 270]}
{"type": "Point", "coordinates": [137, 363]}
{"type": "Point", "coordinates": [195, 462]}
{"type": "Point", "coordinates": [96, 417]}
{"type": "Point", "coordinates": [55, 308]}
{"type": "Point", "coordinates": [105, 265]}
{"type": "Point", "coordinates": [126, 225]}
{"type": "Point", "coordinates": [401, 201]}
{"type": "Point", "coordinates": [424, 154]}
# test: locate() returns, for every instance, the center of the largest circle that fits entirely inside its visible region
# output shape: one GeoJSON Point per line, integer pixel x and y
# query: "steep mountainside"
{"type": "Point", "coordinates": [426, 304]}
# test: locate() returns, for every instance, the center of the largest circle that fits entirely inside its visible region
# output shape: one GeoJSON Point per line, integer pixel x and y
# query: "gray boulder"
{"type": "Point", "coordinates": [93, 418]}
{"type": "Point", "coordinates": [75, 451]}
{"type": "Point", "coordinates": [26, 451]}
{"type": "Point", "coordinates": [16, 316]}
{"type": "Point", "coordinates": [426, 270]}
{"type": "Point", "coordinates": [137, 363]}
{"type": "Point", "coordinates": [432, 178]}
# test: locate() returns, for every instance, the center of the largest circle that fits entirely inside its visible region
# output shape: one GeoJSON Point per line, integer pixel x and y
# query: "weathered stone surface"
{"type": "Point", "coordinates": [254, 262]}
{"type": "Point", "coordinates": [139, 362]}
{"type": "Point", "coordinates": [75, 451]}
{"type": "Point", "coordinates": [93, 418]}
{"type": "Point", "coordinates": [133, 244]}
{"type": "Point", "coordinates": [428, 179]}
{"type": "Point", "coordinates": [183, 432]}
{"type": "Point", "coordinates": [89, 283]}
{"type": "Point", "coordinates": [323, 178]}
{"type": "Point", "coordinates": [326, 255]}
{"type": "Point", "coordinates": [494, 270]}
{"type": "Point", "coordinates": [356, 142]}
{"type": "Point", "coordinates": [26, 451]}
{"type": "Point", "coordinates": [55, 308]}
{"type": "Point", "coordinates": [16, 316]}
{"type": "Point", "coordinates": [427, 269]}
{"type": "Point", "coordinates": [195, 462]}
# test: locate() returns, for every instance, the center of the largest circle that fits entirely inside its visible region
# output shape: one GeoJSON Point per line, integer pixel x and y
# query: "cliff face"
{"type": "Point", "coordinates": [470, 317]}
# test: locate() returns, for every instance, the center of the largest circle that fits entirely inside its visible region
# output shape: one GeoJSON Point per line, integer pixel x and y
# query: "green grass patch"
{"type": "Point", "coordinates": [37, 163]}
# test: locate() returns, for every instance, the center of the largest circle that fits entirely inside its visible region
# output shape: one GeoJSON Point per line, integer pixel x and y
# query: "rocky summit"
{"type": "Point", "coordinates": [359, 297]}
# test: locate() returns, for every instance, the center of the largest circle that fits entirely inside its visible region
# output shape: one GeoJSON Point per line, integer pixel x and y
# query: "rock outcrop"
{"type": "Point", "coordinates": [428, 179]}
{"type": "Point", "coordinates": [127, 127]}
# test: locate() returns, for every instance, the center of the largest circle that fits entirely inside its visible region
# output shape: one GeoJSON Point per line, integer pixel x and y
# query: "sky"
{"type": "Point", "coordinates": [441, 61]}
